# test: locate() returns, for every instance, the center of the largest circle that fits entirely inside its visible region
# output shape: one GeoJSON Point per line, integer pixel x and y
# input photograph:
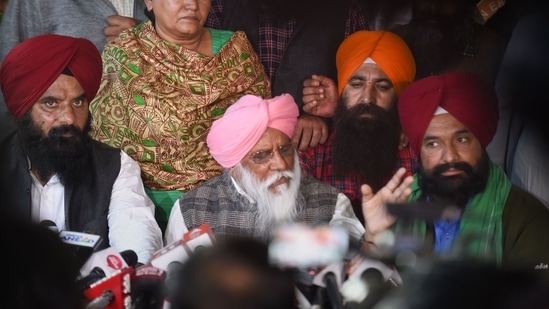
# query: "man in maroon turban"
{"type": "Point", "coordinates": [51, 168]}
{"type": "Point", "coordinates": [262, 186]}
{"type": "Point", "coordinates": [449, 120]}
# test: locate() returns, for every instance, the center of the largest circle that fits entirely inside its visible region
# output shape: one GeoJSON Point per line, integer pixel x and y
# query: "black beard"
{"type": "Point", "coordinates": [454, 190]}
{"type": "Point", "coordinates": [366, 146]}
{"type": "Point", "coordinates": [437, 42]}
{"type": "Point", "coordinates": [69, 157]}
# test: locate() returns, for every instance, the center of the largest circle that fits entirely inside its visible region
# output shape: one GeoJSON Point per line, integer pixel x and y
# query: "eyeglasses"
{"type": "Point", "coordinates": [262, 157]}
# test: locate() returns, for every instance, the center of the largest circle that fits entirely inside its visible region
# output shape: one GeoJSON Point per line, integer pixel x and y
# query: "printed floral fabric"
{"type": "Point", "coordinates": [157, 101]}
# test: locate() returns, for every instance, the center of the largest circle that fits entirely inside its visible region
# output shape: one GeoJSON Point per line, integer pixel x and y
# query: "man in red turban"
{"type": "Point", "coordinates": [51, 168]}
{"type": "Point", "coordinates": [365, 143]}
{"type": "Point", "coordinates": [450, 119]}
{"type": "Point", "coordinates": [262, 186]}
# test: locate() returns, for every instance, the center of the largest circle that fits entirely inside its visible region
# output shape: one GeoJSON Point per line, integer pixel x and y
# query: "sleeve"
{"type": "Point", "coordinates": [176, 225]}
{"type": "Point", "coordinates": [131, 220]}
{"type": "Point", "coordinates": [345, 216]}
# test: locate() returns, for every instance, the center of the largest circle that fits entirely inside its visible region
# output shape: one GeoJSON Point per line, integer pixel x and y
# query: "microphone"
{"type": "Point", "coordinates": [368, 282]}
{"type": "Point", "coordinates": [112, 292]}
{"type": "Point", "coordinates": [110, 261]}
{"type": "Point", "coordinates": [82, 245]}
{"type": "Point", "coordinates": [179, 250]}
{"type": "Point", "coordinates": [331, 278]}
{"type": "Point", "coordinates": [199, 237]}
{"type": "Point", "coordinates": [95, 275]}
{"type": "Point", "coordinates": [50, 225]}
{"type": "Point", "coordinates": [148, 288]}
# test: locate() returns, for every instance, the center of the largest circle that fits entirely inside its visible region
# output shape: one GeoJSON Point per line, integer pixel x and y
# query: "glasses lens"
{"type": "Point", "coordinates": [262, 156]}
{"type": "Point", "coordinates": [286, 150]}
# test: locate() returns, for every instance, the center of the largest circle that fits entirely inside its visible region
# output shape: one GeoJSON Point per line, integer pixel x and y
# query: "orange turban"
{"type": "Point", "coordinates": [466, 96]}
{"type": "Point", "coordinates": [236, 133]}
{"type": "Point", "coordinates": [32, 66]}
{"type": "Point", "coordinates": [386, 49]}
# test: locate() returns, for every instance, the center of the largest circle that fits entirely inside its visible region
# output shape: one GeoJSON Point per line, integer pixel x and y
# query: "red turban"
{"type": "Point", "coordinates": [386, 49]}
{"type": "Point", "coordinates": [466, 96]}
{"type": "Point", "coordinates": [32, 66]}
{"type": "Point", "coordinates": [236, 133]}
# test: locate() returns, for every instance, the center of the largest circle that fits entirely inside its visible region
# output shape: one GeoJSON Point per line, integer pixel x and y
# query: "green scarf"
{"type": "Point", "coordinates": [480, 233]}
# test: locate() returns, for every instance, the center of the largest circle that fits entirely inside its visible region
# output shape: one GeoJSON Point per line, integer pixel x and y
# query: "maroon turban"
{"type": "Point", "coordinates": [32, 66]}
{"type": "Point", "coordinates": [466, 96]}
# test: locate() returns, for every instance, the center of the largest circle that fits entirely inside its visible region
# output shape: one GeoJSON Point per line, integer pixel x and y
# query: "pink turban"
{"type": "Point", "coordinates": [236, 133]}
{"type": "Point", "coordinates": [386, 49]}
{"type": "Point", "coordinates": [32, 66]}
{"type": "Point", "coordinates": [466, 96]}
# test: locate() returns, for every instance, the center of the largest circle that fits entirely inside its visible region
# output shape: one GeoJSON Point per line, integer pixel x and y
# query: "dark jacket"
{"type": "Point", "coordinates": [86, 204]}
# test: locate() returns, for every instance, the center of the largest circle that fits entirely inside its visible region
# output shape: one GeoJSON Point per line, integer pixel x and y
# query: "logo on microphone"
{"type": "Point", "coordinates": [114, 261]}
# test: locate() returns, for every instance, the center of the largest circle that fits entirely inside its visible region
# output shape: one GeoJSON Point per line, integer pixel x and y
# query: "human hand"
{"type": "Point", "coordinates": [309, 132]}
{"type": "Point", "coordinates": [117, 24]}
{"type": "Point", "coordinates": [376, 217]}
{"type": "Point", "coordinates": [320, 96]}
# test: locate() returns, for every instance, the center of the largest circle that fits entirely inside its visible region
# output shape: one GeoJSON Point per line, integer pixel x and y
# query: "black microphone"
{"type": "Point", "coordinates": [147, 290]}
{"type": "Point", "coordinates": [95, 275]}
{"type": "Point", "coordinates": [332, 290]}
{"type": "Point", "coordinates": [130, 257]}
{"type": "Point", "coordinates": [173, 274]}
{"type": "Point", "coordinates": [50, 225]}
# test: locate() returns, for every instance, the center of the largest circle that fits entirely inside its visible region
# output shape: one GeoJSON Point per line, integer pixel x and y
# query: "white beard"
{"type": "Point", "coordinates": [274, 209]}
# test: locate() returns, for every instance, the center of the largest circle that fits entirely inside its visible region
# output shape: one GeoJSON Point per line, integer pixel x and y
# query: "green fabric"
{"type": "Point", "coordinates": [480, 233]}
{"type": "Point", "coordinates": [163, 202]}
{"type": "Point", "coordinates": [219, 39]}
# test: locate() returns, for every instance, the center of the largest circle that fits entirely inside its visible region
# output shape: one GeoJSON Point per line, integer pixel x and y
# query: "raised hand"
{"type": "Point", "coordinates": [320, 97]}
{"type": "Point", "coordinates": [376, 217]}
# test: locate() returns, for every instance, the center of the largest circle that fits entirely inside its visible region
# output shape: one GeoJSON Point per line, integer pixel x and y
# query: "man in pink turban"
{"type": "Point", "coordinates": [366, 144]}
{"type": "Point", "coordinates": [450, 119]}
{"type": "Point", "coordinates": [262, 186]}
{"type": "Point", "coordinates": [51, 168]}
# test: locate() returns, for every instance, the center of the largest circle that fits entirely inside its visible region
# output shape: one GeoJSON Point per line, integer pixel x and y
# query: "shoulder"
{"type": "Point", "coordinates": [523, 207]}
{"type": "Point", "coordinates": [313, 184]}
{"type": "Point", "coordinates": [209, 190]}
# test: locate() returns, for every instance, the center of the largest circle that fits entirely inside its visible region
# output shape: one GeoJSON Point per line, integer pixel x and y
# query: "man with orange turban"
{"type": "Point", "coordinates": [261, 186]}
{"type": "Point", "coordinates": [365, 144]}
{"type": "Point", "coordinates": [450, 119]}
{"type": "Point", "coordinates": [51, 168]}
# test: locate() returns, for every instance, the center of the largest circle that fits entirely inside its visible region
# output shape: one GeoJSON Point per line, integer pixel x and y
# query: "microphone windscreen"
{"type": "Point", "coordinates": [50, 225]}
{"type": "Point", "coordinates": [130, 257]}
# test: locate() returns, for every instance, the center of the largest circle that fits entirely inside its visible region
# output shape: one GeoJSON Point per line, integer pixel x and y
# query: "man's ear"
{"type": "Point", "coordinates": [403, 141]}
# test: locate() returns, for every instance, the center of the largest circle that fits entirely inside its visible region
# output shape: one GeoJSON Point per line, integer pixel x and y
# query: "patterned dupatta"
{"type": "Point", "coordinates": [480, 232]}
{"type": "Point", "coordinates": [158, 100]}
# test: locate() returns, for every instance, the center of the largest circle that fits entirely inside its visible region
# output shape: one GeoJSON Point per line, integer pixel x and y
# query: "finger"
{"type": "Point", "coordinates": [403, 191]}
{"type": "Point", "coordinates": [305, 141]}
{"type": "Point", "coordinates": [396, 180]}
{"type": "Point", "coordinates": [309, 107]}
{"type": "Point", "coordinates": [367, 192]}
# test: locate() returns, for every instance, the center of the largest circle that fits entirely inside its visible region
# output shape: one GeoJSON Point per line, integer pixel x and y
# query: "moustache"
{"type": "Point", "coordinates": [462, 166]}
{"type": "Point", "coordinates": [61, 131]}
{"type": "Point", "coordinates": [363, 108]}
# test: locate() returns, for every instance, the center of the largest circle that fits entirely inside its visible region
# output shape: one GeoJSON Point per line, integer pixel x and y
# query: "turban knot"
{"type": "Point", "coordinates": [33, 65]}
{"type": "Point", "coordinates": [386, 49]}
{"type": "Point", "coordinates": [232, 136]}
{"type": "Point", "coordinates": [466, 96]}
